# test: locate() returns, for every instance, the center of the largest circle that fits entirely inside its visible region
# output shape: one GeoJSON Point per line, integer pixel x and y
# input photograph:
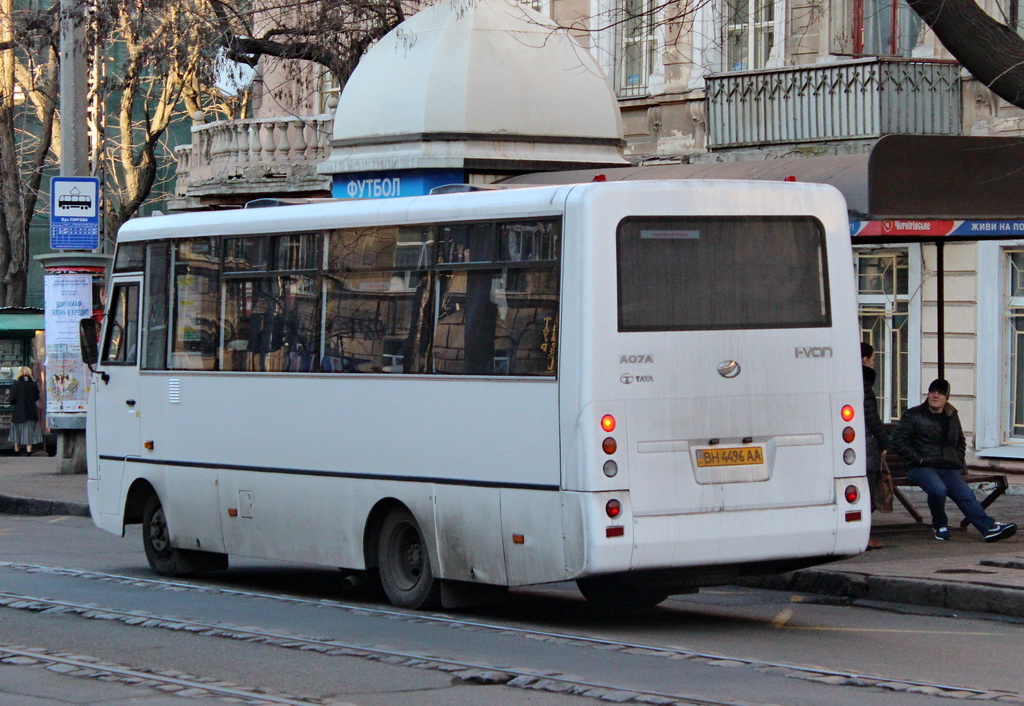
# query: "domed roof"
{"type": "Point", "coordinates": [467, 74]}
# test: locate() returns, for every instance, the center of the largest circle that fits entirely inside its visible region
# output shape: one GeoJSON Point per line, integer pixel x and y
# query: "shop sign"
{"type": "Point", "coordinates": [904, 227]}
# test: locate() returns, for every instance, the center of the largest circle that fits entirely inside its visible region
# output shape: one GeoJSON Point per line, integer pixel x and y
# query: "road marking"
{"type": "Point", "coordinates": [823, 628]}
{"type": "Point", "coordinates": [782, 618]}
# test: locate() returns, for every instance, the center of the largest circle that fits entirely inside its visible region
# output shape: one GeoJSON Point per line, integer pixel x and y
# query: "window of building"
{"type": "Point", "coordinates": [1013, 350]}
{"type": "Point", "coordinates": [874, 28]}
{"type": "Point", "coordinates": [636, 42]}
{"type": "Point", "coordinates": [884, 307]}
{"type": "Point", "coordinates": [749, 33]}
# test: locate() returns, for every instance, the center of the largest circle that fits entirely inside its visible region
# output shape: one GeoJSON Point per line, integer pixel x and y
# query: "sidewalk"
{"type": "Point", "coordinates": [963, 574]}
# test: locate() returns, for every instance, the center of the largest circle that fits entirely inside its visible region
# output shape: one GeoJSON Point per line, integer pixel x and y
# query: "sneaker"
{"type": "Point", "coordinates": [1000, 530]}
{"type": "Point", "coordinates": [941, 533]}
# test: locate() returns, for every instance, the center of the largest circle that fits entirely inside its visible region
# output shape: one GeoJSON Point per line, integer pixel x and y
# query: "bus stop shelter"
{"type": "Point", "coordinates": [908, 188]}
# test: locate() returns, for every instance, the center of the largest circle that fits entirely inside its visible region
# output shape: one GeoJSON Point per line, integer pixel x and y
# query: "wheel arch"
{"type": "Point", "coordinates": [135, 500]}
{"type": "Point", "coordinates": [374, 522]}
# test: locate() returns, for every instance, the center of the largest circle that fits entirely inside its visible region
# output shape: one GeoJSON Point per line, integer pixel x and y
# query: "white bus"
{"type": "Point", "coordinates": [643, 387]}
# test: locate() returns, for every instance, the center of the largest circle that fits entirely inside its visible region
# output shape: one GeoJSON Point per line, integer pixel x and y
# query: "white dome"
{"type": "Point", "coordinates": [468, 80]}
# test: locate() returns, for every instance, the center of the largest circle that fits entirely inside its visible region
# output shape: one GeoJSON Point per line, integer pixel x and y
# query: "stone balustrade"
{"type": "Point", "coordinates": [253, 157]}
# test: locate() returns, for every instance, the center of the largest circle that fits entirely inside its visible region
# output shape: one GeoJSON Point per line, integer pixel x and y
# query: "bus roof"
{"type": "Point", "coordinates": [532, 201]}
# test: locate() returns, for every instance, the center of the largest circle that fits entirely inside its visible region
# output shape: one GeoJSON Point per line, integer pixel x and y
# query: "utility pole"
{"type": "Point", "coordinates": [71, 275]}
{"type": "Point", "coordinates": [74, 82]}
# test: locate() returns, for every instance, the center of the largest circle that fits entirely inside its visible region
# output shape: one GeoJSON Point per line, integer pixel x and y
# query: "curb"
{"type": "Point", "coordinates": [978, 598]}
{"type": "Point", "coordinates": [15, 505]}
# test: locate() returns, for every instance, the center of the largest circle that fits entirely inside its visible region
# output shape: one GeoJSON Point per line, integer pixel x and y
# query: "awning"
{"type": "Point", "coordinates": [912, 177]}
{"type": "Point", "coordinates": [16, 319]}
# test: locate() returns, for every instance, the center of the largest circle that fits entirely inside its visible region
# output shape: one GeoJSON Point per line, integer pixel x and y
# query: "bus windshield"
{"type": "Point", "coordinates": [715, 273]}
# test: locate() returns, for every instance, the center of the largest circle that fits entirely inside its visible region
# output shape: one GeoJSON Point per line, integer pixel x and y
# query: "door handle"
{"type": "Point", "coordinates": [130, 403]}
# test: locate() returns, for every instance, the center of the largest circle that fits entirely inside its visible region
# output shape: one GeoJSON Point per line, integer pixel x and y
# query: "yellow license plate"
{"type": "Point", "coordinates": [730, 456]}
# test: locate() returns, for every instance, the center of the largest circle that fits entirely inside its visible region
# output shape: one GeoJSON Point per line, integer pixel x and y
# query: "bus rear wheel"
{"type": "Point", "coordinates": [404, 563]}
{"type": "Point", "coordinates": [163, 558]}
{"type": "Point", "coordinates": [614, 592]}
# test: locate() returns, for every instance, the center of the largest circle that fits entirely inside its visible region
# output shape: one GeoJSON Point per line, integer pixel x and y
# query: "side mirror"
{"type": "Point", "coordinates": [88, 338]}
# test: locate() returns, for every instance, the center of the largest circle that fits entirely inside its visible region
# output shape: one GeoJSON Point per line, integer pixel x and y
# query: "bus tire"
{"type": "Point", "coordinates": [613, 592]}
{"type": "Point", "coordinates": [405, 571]}
{"type": "Point", "coordinates": [163, 558]}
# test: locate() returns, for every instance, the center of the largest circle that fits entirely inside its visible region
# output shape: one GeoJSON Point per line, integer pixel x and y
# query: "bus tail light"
{"type": "Point", "coordinates": [608, 423]}
{"type": "Point", "coordinates": [849, 457]}
{"type": "Point", "coordinates": [609, 445]}
{"type": "Point", "coordinates": [852, 494]}
{"type": "Point", "coordinates": [611, 469]}
{"type": "Point", "coordinates": [847, 413]}
{"type": "Point", "coordinates": [613, 508]}
{"type": "Point", "coordinates": [849, 435]}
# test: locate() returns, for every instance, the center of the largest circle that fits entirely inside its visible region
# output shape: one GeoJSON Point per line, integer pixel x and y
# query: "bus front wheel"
{"type": "Point", "coordinates": [163, 558]}
{"type": "Point", "coordinates": [404, 563]}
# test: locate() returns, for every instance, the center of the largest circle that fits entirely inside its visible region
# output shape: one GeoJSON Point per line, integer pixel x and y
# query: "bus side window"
{"type": "Point", "coordinates": [121, 346]}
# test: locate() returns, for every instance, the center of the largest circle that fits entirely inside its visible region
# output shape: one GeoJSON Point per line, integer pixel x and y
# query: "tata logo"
{"type": "Point", "coordinates": [626, 379]}
{"type": "Point", "coordinates": [814, 352]}
{"type": "Point", "coordinates": [635, 359]}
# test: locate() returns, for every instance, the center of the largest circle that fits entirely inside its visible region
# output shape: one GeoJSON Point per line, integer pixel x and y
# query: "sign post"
{"type": "Point", "coordinates": [73, 279]}
{"type": "Point", "coordinates": [74, 213]}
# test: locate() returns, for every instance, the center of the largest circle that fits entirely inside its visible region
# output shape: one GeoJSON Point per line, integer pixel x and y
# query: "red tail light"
{"type": "Point", "coordinates": [608, 423]}
{"type": "Point", "coordinates": [847, 413]}
{"type": "Point", "coordinates": [613, 508]}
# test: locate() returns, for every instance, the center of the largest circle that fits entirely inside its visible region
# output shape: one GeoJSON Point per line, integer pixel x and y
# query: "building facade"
{"type": "Point", "coordinates": [739, 80]}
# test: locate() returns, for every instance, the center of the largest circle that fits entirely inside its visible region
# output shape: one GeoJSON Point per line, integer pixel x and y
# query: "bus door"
{"type": "Point", "coordinates": [117, 400]}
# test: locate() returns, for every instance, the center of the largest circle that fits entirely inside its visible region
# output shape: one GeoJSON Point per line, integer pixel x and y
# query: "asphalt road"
{"type": "Point", "coordinates": [269, 633]}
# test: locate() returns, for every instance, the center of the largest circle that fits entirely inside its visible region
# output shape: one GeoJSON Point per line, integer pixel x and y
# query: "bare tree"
{"type": "Point", "coordinates": [332, 33]}
{"type": "Point", "coordinates": [990, 49]}
{"type": "Point", "coordinates": [28, 91]}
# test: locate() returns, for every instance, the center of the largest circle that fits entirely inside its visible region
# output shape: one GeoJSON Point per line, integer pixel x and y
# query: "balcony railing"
{"type": "Point", "coordinates": [254, 156]}
{"type": "Point", "coordinates": [854, 100]}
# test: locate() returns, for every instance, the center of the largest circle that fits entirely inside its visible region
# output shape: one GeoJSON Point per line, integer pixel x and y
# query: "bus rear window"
{"type": "Point", "coordinates": [721, 272]}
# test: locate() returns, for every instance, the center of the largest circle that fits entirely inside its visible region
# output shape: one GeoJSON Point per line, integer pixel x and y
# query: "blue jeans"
{"type": "Point", "coordinates": [941, 482]}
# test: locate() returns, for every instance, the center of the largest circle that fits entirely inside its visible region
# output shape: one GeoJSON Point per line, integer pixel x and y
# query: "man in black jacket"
{"type": "Point", "coordinates": [930, 439]}
{"type": "Point", "coordinates": [876, 441]}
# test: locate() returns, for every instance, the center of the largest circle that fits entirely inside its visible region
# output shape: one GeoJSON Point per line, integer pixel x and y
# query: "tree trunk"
{"type": "Point", "coordinates": [991, 51]}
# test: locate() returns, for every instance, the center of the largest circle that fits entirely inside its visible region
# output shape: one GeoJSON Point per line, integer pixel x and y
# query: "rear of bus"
{"type": "Point", "coordinates": [711, 416]}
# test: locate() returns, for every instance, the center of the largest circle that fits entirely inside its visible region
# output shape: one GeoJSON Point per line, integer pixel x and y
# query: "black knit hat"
{"type": "Point", "coordinates": [939, 385]}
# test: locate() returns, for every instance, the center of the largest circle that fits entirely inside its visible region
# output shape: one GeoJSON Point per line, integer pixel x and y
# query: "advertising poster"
{"type": "Point", "coordinates": [68, 301]}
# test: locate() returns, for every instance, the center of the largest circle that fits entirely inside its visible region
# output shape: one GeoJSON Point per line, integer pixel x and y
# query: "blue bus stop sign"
{"type": "Point", "coordinates": [74, 213]}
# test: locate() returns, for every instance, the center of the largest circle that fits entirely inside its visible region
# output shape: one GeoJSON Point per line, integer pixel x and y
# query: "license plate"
{"type": "Point", "coordinates": [730, 456]}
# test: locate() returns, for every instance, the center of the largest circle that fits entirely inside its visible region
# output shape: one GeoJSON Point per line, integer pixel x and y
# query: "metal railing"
{"type": "Point", "coordinates": [858, 99]}
{"type": "Point", "coordinates": [254, 154]}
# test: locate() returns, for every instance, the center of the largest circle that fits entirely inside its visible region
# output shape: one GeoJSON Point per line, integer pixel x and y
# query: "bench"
{"type": "Point", "coordinates": [898, 470]}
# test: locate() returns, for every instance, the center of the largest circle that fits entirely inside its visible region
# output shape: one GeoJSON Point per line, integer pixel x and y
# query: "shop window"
{"type": "Point", "coordinates": [883, 305]}
{"type": "Point", "coordinates": [1014, 346]}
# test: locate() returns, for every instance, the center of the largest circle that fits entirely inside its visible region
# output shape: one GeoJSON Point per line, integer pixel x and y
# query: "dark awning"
{"type": "Point", "coordinates": [904, 176]}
